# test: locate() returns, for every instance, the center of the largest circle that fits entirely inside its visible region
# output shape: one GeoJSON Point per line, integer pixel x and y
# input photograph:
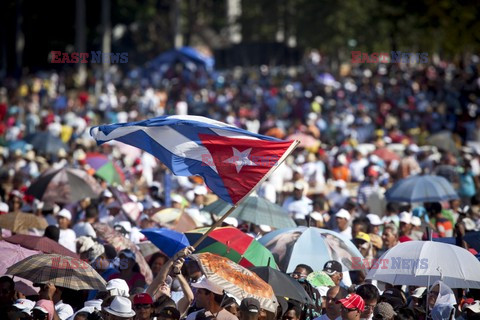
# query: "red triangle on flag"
{"type": "Point", "coordinates": [242, 163]}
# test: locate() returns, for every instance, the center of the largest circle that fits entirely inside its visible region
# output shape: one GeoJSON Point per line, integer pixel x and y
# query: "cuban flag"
{"type": "Point", "coordinates": [232, 161]}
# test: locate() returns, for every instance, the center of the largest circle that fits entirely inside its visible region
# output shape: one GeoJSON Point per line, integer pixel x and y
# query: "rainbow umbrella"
{"type": "Point", "coordinates": [233, 244]}
{"type": "Point", "coordinates": [105, 168]}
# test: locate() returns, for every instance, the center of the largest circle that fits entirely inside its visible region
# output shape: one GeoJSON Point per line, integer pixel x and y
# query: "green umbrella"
{"type": "Point", "coordinates": [256, 210]}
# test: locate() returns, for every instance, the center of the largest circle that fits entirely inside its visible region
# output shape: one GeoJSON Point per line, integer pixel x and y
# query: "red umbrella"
{"type": "Point", "coordinates": [386, 154]}
{"type": "Point", "coordinates": [42, 244]}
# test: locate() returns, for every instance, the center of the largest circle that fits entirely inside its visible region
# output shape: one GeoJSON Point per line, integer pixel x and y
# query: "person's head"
{"type": "Point", "coordinates": [342, 217]}
{"type": "Point", "coordinates": [169, 313]}
{"type": "Point", "coordinates": [193, 270]}
{"type": "Point", "coordinates": [434, 209]}
{"type": "Point", "coordinates": [405, 223]}
{"type": "Point", "coordinates": [433, 295]}
{"type": "Point", "coordinates": [163, 302]}
{"type": "Point", "coordinates": [334, 294]}
{"type": "Point", "coordinates": [208, 294]}
{"type": "Point", "coordinates": [7, 290]}
{"type": "Point", "coordinates": [294, 311]}
{"type": "Point", "coordinates": [383, 311]}
{"type": "Point", "coordinates": [127, 259]}
{"type": "Point", "coordinates": [394, 297]}
{"type": "Point", "coordinates": [43, 310]}
{"type": "Point", "coordinates": [370, 295]}
{"type": "Point", "coordinates": [63, 218]}
{"type": "Point", "coordinates": [249, 309]}
{"type": "Point", "coordinates": [359, 225]}
{"type": "Point", "coordinates": [157, 260]}
{"type": "Point", "coordinates": [362, 242]}
{"type": "Point", "coordinates": [352, 307]}
{"type": "Point", "coordinates": [143, 305]}
{"type": "Point", "coordinates": [91, 213]}
{"type": "Point", "coordinates": [301, 271]}
{"type": "Point", "coordinates": [83, 315]}
{"type": "Point", "coordinates": [298, 190]}
{"type": "Point", "coordinates": [21, 309]}
{"type": "Point", "coordinates": [334, 270]}
{"type": "Point", "coordinates": [417, 296]}
{"type": "Point", "coordinates": [52, 232]}
{"type": "Point", "coordinates": [146, 222]}
{"type": "Point", "coordinates": [119, 309]}
{"type": "Point", "coordinates": [118, 287]}
{"type": "Point", "coordinates": [390, 236]}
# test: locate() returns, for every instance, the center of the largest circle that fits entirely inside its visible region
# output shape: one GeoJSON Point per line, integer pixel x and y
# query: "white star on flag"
{"type": "Point", "coordinates": [240, 159]}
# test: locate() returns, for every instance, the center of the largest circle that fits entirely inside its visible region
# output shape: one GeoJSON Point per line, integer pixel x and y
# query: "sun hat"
{"type": "Point", "coordinates": [118, 287]}
{"type": "Point", "coordinates": [120, 307]}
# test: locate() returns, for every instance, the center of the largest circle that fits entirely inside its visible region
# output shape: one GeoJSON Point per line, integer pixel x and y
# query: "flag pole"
{"type": "Point", "coordinates": [269, 173]}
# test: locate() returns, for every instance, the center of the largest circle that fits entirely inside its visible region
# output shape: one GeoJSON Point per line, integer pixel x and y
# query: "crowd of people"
{"type": "Point", "coordinates": [334, 180]}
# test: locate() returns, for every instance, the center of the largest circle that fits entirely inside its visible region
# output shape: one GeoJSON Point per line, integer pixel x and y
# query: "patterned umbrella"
{"type": "Point", "coordinates": [42, 244]}
{"type": "Point", "coordinates": [109, 235]}
{"type": "Point", "coordinates": [271, 214]}
{"type": "Point", "coordinates": [66, 185]}
{"type": "Point", "coordinates": [46, 143]}
{"type": "Point", "coordinates": [311, 246]}
{"type": "Point", "coordinates": [20, 222]}
{"type": "Point", "coordinates": [105, 168]}
{"type": "Point", "coordinates": [12, 253]}
{"type": "Point", "coordinates": [235, 245]}
{"type": "Point", "coordinates": [62, 271]}
{"type": "Point", "coordinates": [236, 280]}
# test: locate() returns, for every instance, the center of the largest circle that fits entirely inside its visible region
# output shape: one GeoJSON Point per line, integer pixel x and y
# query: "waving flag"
{"type": "Point", "coordinates": [232, 161]}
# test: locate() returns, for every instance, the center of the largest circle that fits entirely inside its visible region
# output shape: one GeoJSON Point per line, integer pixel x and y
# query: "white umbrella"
{"type": "Point", "coordinates": [421, 263]}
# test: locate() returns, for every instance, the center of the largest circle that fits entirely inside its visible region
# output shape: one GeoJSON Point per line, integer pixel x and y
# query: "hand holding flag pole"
{"type": "Point", "coordinates": [232, 161]}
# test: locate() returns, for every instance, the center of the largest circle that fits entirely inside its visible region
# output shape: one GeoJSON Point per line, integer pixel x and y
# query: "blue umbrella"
{"type": "Point", "coordinates": [169, 241]}
{"type": "Point", "coordinates": [311, 246]}
{"type": "Point", "coordinates": [421, 188]}
{"type": "Point", "coordinates": [18, 145]}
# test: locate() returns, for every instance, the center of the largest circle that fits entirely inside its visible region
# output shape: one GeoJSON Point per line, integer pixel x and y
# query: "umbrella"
{"type": "Point", "coordinates": [46, 143]}
{"type": "Point", "coordinates": [306, 141]}
{"type": "Point", "coordinates": [42, 244]}
{"type": "Point", "coordinates": [421, 263]}
{"type": "Point", "coordinates": [282, 284]}
{"type": "Point", "coordinates": [147, 248]}
{"type": "Point", "coordinates": [421, 188]}
{"type": "Point", "coordinates": [386, 154]}
{"type": "Point", "coordinates": [236, 280]}
{"type": "Point", "coordinates": [169, 241]}
{"type": "Point", "coordinates": [66, 185]}
{"type": "Point", "coordinates": [109, 235]}
{"type": "Point", "coordinates": [232, 243]}
{"type": "Point", "coordinates": [62, 271]}
{"type": "Point", "coordinates": [12, 253]}
{"type": "Point", "coordinates": [471, 238]}
{"type": "Point", "coordinates": [21, 145]}
{"type": "Point", "coordinates": [105, 168]}
{"type": "Point", "coordinates": [448, 172]}
{"type": "Point", "coordinates": [320, 279]}
{"type": "Point", "coordinates": [19, 222]}
{"type": "Point", "coordinates": [443, 141]}
{"type": "Point", "coordinates": [256, 210]}
{"type": "Point", "coordinates": [311, 246]}
{"type": "Point", "coordinates": [167, 215]}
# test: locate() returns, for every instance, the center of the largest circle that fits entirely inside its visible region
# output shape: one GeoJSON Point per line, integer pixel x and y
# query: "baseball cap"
{"type": "Point", "coordinates": [340, 184]}
{"type": "Point", "coordinates": [363, 236]}
{"type": "Point", "coordinates": [129, 254]}
{"type": "Point", "coordinates": [24, 305]}
{"type": "Point", "coordinates": [208, 285]}
{"type": "Point", "coordinates": [200, 190]}
{"type": "Point", "coordinates": [353, 301]}
{"type": "Point", "coordinates": [374, 219]}
{"type": "Point", "coordinates": [142, 298]}
{"type": "Point", "coordinates": [331, 267]}
{"type": "Point", "coordinates": [176, 198]}
{"type": "Point", "coordinates": [416, 221]}
{"type": "Point", "coordinates": [250, 305]}
{"type": "Point", "coordinates": [383, 310]}
{"type": "Point", "coordinates": [299, 185]}
{"type": "Point", "coordinates": [342, 213]}
{"type": "Point", "coordinates": [107, 194]}
{"type": "Point", "coordinates": [419, 292]}
{"type": "Point", "coordinates": [65, 213]}
{"type": "Point", "coordinates": [406, 217]}
{"type": "Point", "coordinates": [474, 307]}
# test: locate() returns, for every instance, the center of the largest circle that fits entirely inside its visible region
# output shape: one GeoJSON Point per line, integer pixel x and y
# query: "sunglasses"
{"type": "Point", "coordinates": [142, 306]}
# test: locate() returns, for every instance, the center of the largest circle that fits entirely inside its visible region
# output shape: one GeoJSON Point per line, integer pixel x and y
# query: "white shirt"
{"type": "Point", "coordinates": [356, 169]}
{"type": "Point", "coordinates": [298, 209]}
{"type": "Point", "coordinates": [84, 229]}
{"type": "Point", "coordinates": [67, 239]}
{"type": "Point", "coordinates": [347, 232]}
{"type": "Point", "coordinates": [63, 310]}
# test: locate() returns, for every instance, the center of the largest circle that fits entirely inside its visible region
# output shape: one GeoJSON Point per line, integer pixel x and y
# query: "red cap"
{"type": "Point", "coordinates": [142, 298]}
{"type": "Point", "coordinates": [372, 172]}
{"type": "Point", "coordinates": [353, 301]}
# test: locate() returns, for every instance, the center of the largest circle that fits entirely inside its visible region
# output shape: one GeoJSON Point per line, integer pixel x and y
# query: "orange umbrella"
{"type": "Point", "coordinates": [236, 280]}
{"type": "Point", "coordinates": [20, 222]}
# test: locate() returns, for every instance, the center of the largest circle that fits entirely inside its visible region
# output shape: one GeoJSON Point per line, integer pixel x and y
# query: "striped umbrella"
{"type": "Point", "coordinates": [232, 243]}
{"type": "Point", "coordinates": [62, 271]}
{"type": "Point", "coordinates": [105, 168]}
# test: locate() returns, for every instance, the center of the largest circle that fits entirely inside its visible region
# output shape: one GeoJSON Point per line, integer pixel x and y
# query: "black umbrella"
{"type": "Point", "coordinates": [46, 143]}
{"type": "Point", "coordinates": [282, 284]}
{"type": "Point", "coordinates": [66, 185]}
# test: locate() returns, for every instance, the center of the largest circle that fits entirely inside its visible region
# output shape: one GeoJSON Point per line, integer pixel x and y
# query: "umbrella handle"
{"type": "Point", "coordinates": [216, 224]}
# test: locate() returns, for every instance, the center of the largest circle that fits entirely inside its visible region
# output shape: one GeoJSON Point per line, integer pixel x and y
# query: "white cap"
{"type": "Point", "coordinates": [416, 221]}
{"type": "Point", "coordinates": [406, 217]}
{"type": "Point", "coordinates": [342, 213]}
{"type": "Point", "coordinates": [118, 287]}
{"type": "Point", "coordinates": [475, 306]}
{"type": "Point", "coordinates": [125, 224]}
{"type": "Point", "coordinates": [231, 221]}
{"type": "Point", "coordinates": [469, 224]}
{"type": "Point", "coordinates": [65, 213]}
{"type": "Point", "coordinates": [265, 228]}
{"type": "Point", "coordinates": [340, 184]}
{"type": "Point", "coordinates": [107, 194]}
{"type": "Point", "coordinates": [413, 148]}
{"type": "Point", "coordinates": [24, 305]}
{"type": "Point", "coordinates": [419, 292]}
{"type": "Point", "coordinates": [176, 198]}
{"type": "Point", "coordinates": [4, 207]}
{"type": "Point", "coordinates": [96, 303]}
{"type": "Point", "coordinates": [374, 219]}
{"type": "Point", "coordinates": [208, 285]}
{"type": "Point", "coordinates": [317, 216]}
{"type": "Point", "coordinates": [299, 185]}
{"type": "Point", "coordinates": [200, 190]}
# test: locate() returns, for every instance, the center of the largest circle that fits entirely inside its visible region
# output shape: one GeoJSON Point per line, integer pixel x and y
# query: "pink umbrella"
{"type": "Point", "coordinates": [12, 253]}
